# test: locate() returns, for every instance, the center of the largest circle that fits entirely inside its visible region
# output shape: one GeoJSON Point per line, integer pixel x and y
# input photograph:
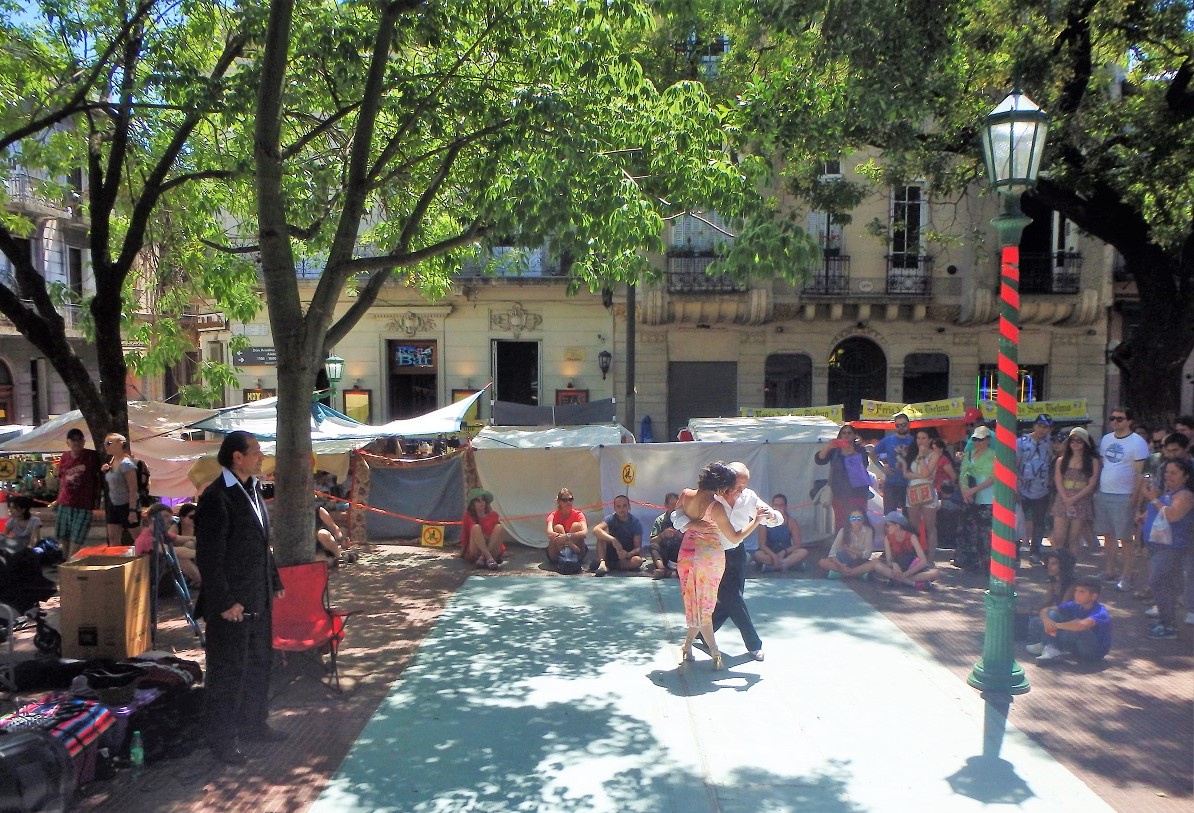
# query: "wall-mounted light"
{"type": "Point", "coordinates": [333, 367]}
{"type": "Point", "coordinates": [604, 360]}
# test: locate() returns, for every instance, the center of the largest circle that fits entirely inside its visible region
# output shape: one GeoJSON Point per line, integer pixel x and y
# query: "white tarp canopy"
{"type": "Point", "coordinates": [506, 437]}
{"type": "Point", "coordinates": [261, 418]}
{"type": "Point", "coordinates": [146, 419]}
{"type": "Point", "coordinates": [524, 480]}
{"type": "Point", "coordinates": [771, 429]}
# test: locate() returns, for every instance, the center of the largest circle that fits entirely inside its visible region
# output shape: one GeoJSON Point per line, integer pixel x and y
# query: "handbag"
{"type": "Point", "coordinates": [856, 470]}
{"type": "Point", "coordinates": [1161, 532]}
{"type": "Point", "coordinates": [920, 493]}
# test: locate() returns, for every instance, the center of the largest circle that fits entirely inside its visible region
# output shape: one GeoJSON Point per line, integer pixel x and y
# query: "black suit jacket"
{"type": "Point", "coordinates": [232, 552]}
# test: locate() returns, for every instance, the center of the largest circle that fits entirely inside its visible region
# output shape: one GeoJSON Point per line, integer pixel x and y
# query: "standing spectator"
{"type": "Point", "coordinates": [780, 546]}
{"type": "Point", "coordinates": [1123, 453]}
{"type": "Point", "coordinates": [1076, 476]}
{"type": "Point", "coordinates": [1167, 550]}
{"type": "Point", "coordinates": [920, 467]}
{"type": "Point", "coordinates": [665, 539]}
{"type": "Point", "coordinates": [978, 494]}
{"type": "Point", "coordinates": [888, 453]}
{"type": "Point", "coordinates": [1032, 478]}
{"type": "Point", "coordinates": [120, 480]}
{"type": "Point", "coordinates": [567, 528]}
{"type": "Point", "coordinates": [1081, 627]}
{"type": "Point", "coordinates": [1185, 425]}
{"type": "Point", "coordinates": [849, 481]}
{"type": "Point", "coordinates": [239, 581]}
{"type": "Point", "coordinates": [619, 539]}
{"type": "Point", "coordinates": [78, 476]}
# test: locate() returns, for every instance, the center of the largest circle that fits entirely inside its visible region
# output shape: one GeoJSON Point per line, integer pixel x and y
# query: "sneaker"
{"type": "Point", "coordinates": [1190, 619]}
{"type": "Point", "coordinates": [601, 569]}
{"type": "Point", "coordinates": [1049, 653]}
{"type": "Point", "coordinates": [1153, 612]}
{"type": "Point", "coordinates": [1162, 633]}
{"type": "Point", "coordinates": [1035, 649]}
{"type": "Point", "coordinates": [1123, 585]}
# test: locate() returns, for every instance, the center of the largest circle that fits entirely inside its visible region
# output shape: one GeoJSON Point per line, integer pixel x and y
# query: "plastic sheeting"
{"type": "Point", "coordinates": [773, 429]}
{"type": "Point", "coordinates": [422, 492]}
{"type": "Point", "coordinates": [502, 437]}
{"type": "Point", "coordinates": [146, 419]}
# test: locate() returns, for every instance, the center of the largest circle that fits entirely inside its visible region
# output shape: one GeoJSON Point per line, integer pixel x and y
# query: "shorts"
{"type": "Point", "coordinates": [907, 560]}
{"type": "Point", "coordinates": [611, 553]}
{"type": "Point", "coordinates": [1113, 515]}
{"type": "Point", "coordinates": [844, 558]}
{"type": "Point", "coordinates": [72, 525]}
{"type": "Point", "coordinates": [119, 515]}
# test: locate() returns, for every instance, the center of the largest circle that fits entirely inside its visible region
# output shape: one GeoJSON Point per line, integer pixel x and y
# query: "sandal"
{"type": "Point", "coordinates": [493, 565]}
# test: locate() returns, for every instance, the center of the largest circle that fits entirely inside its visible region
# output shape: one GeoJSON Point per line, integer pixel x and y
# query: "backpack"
{"type": "Point", "coordinates": [143, 498]}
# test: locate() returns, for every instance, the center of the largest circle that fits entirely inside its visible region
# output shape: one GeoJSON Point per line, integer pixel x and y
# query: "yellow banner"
{"type": "Point", "coordinates": [884, 410]}
{"type": "Point", "coordinates": [1071, 410]}
{"type": "Point", "coordinates": [836, 412]}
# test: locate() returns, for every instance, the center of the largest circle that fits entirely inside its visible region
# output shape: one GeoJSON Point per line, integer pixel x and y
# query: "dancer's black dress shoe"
{"type": "Point", "coordinates": [229, 755]}
{"type": "Point", "coordinates": [263, 734]}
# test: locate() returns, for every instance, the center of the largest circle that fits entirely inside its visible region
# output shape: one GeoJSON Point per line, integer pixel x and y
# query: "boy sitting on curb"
{"type": "Point", "coordinates": [1081, 627]}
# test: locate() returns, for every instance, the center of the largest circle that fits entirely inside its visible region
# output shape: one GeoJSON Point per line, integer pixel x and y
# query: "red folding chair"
{"type": "Point", "coordinates": [303, 621]}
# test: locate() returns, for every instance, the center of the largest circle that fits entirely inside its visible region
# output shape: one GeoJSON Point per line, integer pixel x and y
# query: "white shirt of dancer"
{"type": "Point", "coordinates": [740, 513]}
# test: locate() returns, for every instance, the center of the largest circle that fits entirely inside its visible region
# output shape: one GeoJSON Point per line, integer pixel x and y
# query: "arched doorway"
{"type": "Point", "coordinates": [857, 370]}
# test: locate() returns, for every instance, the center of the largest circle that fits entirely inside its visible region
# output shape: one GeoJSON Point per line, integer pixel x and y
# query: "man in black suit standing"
{"type": "Point", "coordinates": [239, 579]}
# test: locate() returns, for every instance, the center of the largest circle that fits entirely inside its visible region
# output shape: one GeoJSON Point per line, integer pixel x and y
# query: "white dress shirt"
{"type": "Point", "coordinates": [740, 514]}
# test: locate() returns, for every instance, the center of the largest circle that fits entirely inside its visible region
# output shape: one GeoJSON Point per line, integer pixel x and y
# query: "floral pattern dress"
{"type": "Point", "coordinates": [700, 567]}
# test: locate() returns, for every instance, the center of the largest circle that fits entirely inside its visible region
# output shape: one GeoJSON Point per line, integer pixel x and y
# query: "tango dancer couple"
{"type": "Point", "coordinates": [715, 517]}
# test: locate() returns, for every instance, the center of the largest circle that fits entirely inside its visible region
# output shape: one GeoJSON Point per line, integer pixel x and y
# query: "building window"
{"type": "Point", "coordinates": [1031, 387]}
{"type": "Point", "coordinates": [827, 231]}
{"type": "Point", "coordinates": [908, 212]}
{"type": "Point", "coordinates": [831, 169]}
{"type": "Point", "coordinates": [926, 377]}
{"type": "Point", "coordinates": [788, 380]}
{"type": "Point", "coordinates": [699, 232]}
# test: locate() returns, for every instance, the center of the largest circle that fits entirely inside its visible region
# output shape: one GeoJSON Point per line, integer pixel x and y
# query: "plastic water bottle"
{"type": "Point", "coordinates": [137, 754]}
{"type": "Point", "coordinates": [567, 554]}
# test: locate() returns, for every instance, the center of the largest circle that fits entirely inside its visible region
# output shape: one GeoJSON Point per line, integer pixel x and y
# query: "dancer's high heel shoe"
{"type": "Point", "coordinates": [685, 655]}
{"type": "Point", "coordinates": [718, 664]}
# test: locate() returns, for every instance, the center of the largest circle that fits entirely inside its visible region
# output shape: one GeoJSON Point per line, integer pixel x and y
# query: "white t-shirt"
{"type": "Point", "coordinates": [1119, 456]}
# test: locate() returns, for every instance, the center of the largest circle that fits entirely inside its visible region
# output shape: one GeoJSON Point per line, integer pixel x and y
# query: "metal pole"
{"type": "Point", "coordinates": [997, 673]}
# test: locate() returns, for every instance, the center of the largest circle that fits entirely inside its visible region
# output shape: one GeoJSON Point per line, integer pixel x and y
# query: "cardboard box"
{"type": "Point", "coordinates": [105, 606]}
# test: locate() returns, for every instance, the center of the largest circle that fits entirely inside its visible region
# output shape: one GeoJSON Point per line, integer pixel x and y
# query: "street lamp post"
{"type": "Point", "coordinates": [1013, 138]}
{"type": "Point", "coordinates": [333, 368]}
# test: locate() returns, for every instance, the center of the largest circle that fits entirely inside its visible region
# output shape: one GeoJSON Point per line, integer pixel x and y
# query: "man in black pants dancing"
{"type": "Point", "coordinates": [731, 603]}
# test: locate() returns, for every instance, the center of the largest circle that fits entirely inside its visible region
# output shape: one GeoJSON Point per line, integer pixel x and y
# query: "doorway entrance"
{"type": "Point", "coordinates": [515, 371]}
{"type": "Point", "coordinates": [413, 379]}
{"type": "Point", "coordinates": [857, 370]}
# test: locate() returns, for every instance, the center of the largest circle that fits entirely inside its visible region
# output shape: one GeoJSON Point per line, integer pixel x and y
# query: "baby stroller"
{"type": "Point", "coordinates": [23, 587]}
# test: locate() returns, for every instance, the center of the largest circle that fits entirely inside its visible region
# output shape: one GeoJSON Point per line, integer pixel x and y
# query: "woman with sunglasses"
{"type": "Point", "coordinates": [850, 554]}
{"type": "Point", "coordinates": [1076, 476]}
{"type": "Point", "coordinates": [120, 485]}
{"type": "Point", "coordinates": [978, 496]}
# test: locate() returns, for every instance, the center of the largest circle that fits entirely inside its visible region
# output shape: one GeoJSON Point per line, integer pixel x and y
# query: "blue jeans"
{"type": "Point", "coordinates": [1165, 579]}
{"type": "Point", "coordinates": [1083, 644]}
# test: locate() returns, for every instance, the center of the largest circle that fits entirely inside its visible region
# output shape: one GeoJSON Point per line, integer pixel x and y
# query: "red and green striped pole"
{"type": "Point", "coordinates": [997, 672]}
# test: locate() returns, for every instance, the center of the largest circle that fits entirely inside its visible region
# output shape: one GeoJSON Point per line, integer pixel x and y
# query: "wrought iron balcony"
{"type": "Point", "coordinates": [686, 274]}
{"type": "Point", "coordinates": [830, 278]}
{"type": "Point", "coordinates": [1055, 273]}
{"type": "Point", "coordinates": [909, 275]}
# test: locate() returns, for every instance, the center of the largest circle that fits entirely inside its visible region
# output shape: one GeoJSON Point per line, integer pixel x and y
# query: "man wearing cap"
{"type": "Point", "coordinates": [1033, 469]}
{"type": "Point", "coordinates": [78, 477]}
{"type": "Point", "coordinates": [888, 452]}
{"type": "Point", "coordinates": [1123, 453]}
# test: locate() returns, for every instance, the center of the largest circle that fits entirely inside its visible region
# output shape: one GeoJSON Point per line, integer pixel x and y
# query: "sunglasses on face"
{"type": "Point", "coordinates": [856, 519]}
{"type": "Point", "coordinates": [565, 499]}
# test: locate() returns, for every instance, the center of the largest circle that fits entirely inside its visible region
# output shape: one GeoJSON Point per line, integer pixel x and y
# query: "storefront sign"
{"type": "Point", "coordinates": [884, 410]}
{"type": "Point", "coordinates": [835, 412]}
{"type": "Point", "coordinates": [1063, 410]}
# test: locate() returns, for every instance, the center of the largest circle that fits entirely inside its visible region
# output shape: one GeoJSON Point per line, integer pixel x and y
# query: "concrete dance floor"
{"type": "Point", "coordinates": [564, 694]}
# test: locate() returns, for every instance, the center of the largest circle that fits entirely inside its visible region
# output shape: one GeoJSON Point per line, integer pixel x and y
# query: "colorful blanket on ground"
{"type": "Point", "coordinates": [73, 722]}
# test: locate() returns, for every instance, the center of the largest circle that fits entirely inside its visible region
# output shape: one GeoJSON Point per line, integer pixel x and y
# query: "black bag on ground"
{"type": "Point", "coordinates": [36, 773]}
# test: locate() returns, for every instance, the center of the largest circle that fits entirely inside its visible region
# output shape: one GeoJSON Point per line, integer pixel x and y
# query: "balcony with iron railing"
{"type": "Point", "coordinates": [909, 275]}
{"type": "Point", "coordinates": [687, 273]}
{"type": "Point", "coordinates": [23, 190]}
{"type": "Point", "coordinates": [1059, 272]}
{"type": "Point", "coordinates": [830, 278]}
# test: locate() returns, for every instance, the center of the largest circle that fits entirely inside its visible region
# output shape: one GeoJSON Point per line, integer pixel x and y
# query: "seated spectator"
{"type": "Point", "coordinates": [780, 547]}
{"type": "Point", "coordinates": [1081, 627]}
{"type": "Point", "coordinates": [330, 539]}
{"type": "Point", "coordinates": [850, 555]}
{"type": "Point", "coordinates": [1059, 565]}
{"type": "Point", "coordinates": [904, 559]}
{"type": "Point", "coordinates": [482, 538]}
{"type": "Point", "coordinates": [23, 529]}
{"type": "Point", "coordinates": [665, 539]}
{"type": "Point", "coordinates": [182, 541]}
{"type": "Point", "coordinates": [567, 529]}
{"type": "Point", "coordinates": [619, 539]}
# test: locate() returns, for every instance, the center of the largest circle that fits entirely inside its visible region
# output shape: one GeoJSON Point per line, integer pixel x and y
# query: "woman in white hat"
{"type": "Point", "coordinates": [904, 560]}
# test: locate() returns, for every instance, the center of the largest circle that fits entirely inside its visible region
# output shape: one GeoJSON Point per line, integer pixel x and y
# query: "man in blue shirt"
{"type": "Point", "coordinates": [619, 539]}
{"type": "Point", "coordinates": [889, 454]}
{"type": "Point", "coordinates": [1033, 470]}
{"type": "Point", "coordinates": [1081, 627]}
